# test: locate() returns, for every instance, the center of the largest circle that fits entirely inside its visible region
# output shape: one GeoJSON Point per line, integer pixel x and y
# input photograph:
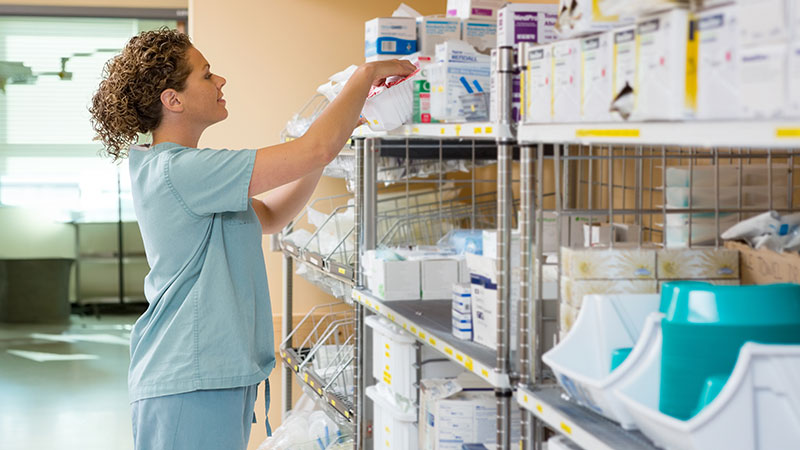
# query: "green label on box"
{"type": "Point", "coordinates": [422, 102]}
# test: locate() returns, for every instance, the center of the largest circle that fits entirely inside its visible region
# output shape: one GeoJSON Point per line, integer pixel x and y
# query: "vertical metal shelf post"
{"type": "Point", "coordinates": [527, 437]}
{"type": "Point", "coordinates": [286, 328]}
{"type": "Point", "coordinates": [505, 147]}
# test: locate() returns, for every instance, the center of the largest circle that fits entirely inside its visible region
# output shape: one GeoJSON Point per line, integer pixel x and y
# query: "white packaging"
{"type": "Point", "coordinates": [490, 245]}
{"type": "Point", "coordinates": [763, 22]}
{"type": "Point", "coordinates": [437, 277]}
{"type": "Point", "coordinates": [597, 58]}
{"type": "Point", "coordinates": [452, 78]}
{"type": "Point", "coordinates": [434, 30]}
{"type": "Point", "coordinates": [462, 298]}
{"type": "Point", "coordinates": [484, 301]}
{"type": "Point", "coordinates": [566, 81]}
{"type": "Point", "coordinates": [451, 417]}
{"type": "Point", "coordinates": [539, 84]}
{"type": "Point", "coordinates": [763, 81]}
{"type": "Point", "coordinates": [392, 280]}
{"type": "Point", "coordinates": [526, 22]}
{"type": "Point", "coordinates": [662, 40]}
{"type": "Point", "coordinates": [718, 82]}
{"type": "Point", "coordinates": [481, 34]}
{"type": "Point", "coordinates": [392, 107]}
{"type": "Point", "coordinates": [394, 355]}
{"type": "Point", "coordinates": [389, 37]}
{"type": "Point", "coordinates": [580, 17]}
{"type": "Point", "coordinates": [793, 80]}
{"type": "Point", "coordinates": [623, 73]}
{"type": "Point", "coordinates": [394, 427]}
{"type": "Point", "coordinates": [474, 9]}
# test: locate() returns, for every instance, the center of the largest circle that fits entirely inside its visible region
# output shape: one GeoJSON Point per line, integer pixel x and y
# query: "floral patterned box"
{"type": "Point", "coordinates": [697, 264]}
{"type": "Point", "coordinates": [619, 263]}
{"type": "Point", "coordinates": [573, 291]}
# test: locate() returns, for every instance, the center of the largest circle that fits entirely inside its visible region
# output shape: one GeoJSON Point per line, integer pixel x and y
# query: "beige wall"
{"type": "Point", "coordinates": [274, 54]}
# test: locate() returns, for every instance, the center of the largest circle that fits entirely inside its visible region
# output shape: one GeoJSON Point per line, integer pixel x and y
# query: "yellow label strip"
{"type": "Point", "coordinates": [619, 133]}
{"type": "Point", "coordinates": [787, 133]}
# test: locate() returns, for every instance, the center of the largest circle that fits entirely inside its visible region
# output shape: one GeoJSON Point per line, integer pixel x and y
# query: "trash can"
{"type": "Point", "coordinates": [35, 290]}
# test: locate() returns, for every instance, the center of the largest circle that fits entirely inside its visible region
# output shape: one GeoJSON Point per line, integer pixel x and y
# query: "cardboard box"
{"type": "Point", "coordinates": [450, 416]}
{"type": "Point", "coordinates": [481, 34]}
{"type": "Point", "coordinates": [539, 88]}
{"type": "Point", "coordinates": [433, 30]}
{"type": "Point", "coordinates": [459, 69]}
{"type": "Point", "coordinates": [793, 80]}
{"type": "Point", "coordinates": [597, 59]}
{"type": "Point", "coordinates": [474, 9]}
{"type": "Point", "coordinates": [717, 71]}
{"type": "Point", "coordinates": [697, 264]}
{"type": "Point", "coordinates": [437, 277]}
{"type": "Point", "coordinates": [526, 22]}
{"type": "Point", "coordinates": [567, 81]}
{"type": "Point", "coordinates": [623, 72]}
{"type": "Point", "coordinates": [661, 67]}
{"type": "Point", "coordinates": [422, 100]}
{"type": "Point", "coordinates": [763, 81]}
{"type": "Point", "coordinates": [763, 22]}
{"type": "Point", "coordinates": [765, 266]}
{"type": "Point", "coordinates": [619, 263]}
{"type": "Point", "coordinates": [389, 37]}
{"type": "Point", "coordinates": [573, 291]}
{"type": "Point", "coordinates": [584, 17]}
{"type": "Point", "coordinates": [392, 280]}
{"type": "Point", "coordinates": [568, 314]}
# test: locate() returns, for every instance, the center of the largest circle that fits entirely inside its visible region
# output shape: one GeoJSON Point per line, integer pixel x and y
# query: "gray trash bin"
{"type": "Point", "coordinates": [35, 290]}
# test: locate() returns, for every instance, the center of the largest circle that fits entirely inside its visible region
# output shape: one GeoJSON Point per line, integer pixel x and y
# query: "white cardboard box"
{"type": "Point", "coordinates": [597, 58]}
{"type": "Point", "coordinates": [392, 280]}
{"type": "Point", "coordinates": [526, 22]}
{"type": "Point", "coordinates": [433, 30]}
{"type": "Point", "coordinates": [793, 80]}
{"type": "Point", "coordinates": [394, 36]}
{"type": "Point", "coordinates": [539, 89]}
{"type": "Point", "coordinates": [764, 22]}
{"type": "Point", "coordinates": [437, 277]}
{"type": "Point", "coordinates": [481, 34]}
{"type": "Point", "coordinates": [718, 95]}
{"type": "Point", "coordinates": [623, 75]}
{"type": "Point", "coordinates": [567, 81]}
{"type": "Point", "coordinates": [474, 9]}
{"type": "Point", "coordinates": [458, 66]}
{"type": "Point", "coordinates": [585, 17]}
{"type": "Point", "coordinates": [763, 81]}
{"type": "Point", "coordinates": [661, 66]}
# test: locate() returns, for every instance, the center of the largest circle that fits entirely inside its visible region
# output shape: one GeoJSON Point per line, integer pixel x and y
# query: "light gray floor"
{"type": "Point", "coordinates": [66, 405]}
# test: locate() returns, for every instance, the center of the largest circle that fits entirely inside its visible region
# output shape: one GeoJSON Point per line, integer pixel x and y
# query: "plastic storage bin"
{"type": "Point", "coordinates": [394, 425]}
{"type": "Point", "coordinates": [704, 330]}
{"type": "Point", "coordinates": [606, 324]}
{"type": "Point", "coordinates": [757, 409]}
{"type": "Point", "coordinates": [394, 356]}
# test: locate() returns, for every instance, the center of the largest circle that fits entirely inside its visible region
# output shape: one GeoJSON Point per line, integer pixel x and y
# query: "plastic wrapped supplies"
{"type": "Point", "coordinates": [389, 107]}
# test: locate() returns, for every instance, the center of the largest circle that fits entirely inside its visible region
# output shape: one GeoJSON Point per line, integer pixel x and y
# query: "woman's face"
{"type": "Point", "coordinates": [203, 93]}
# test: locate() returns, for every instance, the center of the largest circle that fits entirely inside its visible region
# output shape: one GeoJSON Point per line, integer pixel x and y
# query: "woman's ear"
{"type": "Point", "coordinates": [171, 100]}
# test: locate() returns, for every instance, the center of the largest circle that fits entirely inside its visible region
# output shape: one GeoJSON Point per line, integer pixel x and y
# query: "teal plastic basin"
{"type": "Point", "coordinates": [704, 329]}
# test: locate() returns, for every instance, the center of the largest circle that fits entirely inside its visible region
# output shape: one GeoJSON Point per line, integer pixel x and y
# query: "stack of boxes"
{"type": "Point", "coordinates": [632, 270]}
{"type": "Point", "coordinates": [401, 274]}
{"type": "Point", "coordinates": [462, 311]}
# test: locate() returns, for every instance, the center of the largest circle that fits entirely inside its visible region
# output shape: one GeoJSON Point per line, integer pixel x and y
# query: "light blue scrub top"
{"type": "Point", "coordinates": [209, 320]}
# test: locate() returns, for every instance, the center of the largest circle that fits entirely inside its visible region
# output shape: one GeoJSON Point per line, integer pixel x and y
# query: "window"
{"type": "Point", "coordinates": [48, 159]}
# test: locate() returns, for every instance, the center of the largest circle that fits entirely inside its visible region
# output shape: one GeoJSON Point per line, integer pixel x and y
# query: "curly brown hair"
{"type": "Point", "coordinates": [128, 100]}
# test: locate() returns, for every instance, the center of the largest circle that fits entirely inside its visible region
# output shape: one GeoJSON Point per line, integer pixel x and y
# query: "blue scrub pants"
{"type": "Point", "coordinates": [201, 420]}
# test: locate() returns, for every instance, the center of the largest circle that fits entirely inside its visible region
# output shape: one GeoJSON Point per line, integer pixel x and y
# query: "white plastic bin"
{"type": "Point", "coordinates": [582, 361]}
{"type": "Point", "coordinates": [394, 424]}
{"type": "Point", "coordinates": [757, 409]}
{"type": "Point", "coordinates": [394, 356]}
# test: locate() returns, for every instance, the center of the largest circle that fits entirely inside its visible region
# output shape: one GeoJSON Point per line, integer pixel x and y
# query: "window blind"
{"type": "Point", "coordinates": [48, 159]}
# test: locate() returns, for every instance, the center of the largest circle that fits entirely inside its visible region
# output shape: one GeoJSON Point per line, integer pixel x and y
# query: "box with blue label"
{"type": "Point", "coordinates": [433, 30]}
{"type": "Point", "coordinates": [481, 34]}
{"type": "Point", "coordinates": [389, 37]}
{"type": "Point", "coordinates": [459, 70]}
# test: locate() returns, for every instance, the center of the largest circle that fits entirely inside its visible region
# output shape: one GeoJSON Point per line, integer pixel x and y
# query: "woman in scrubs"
{"type": "Point", "coordinates": [206, 340]}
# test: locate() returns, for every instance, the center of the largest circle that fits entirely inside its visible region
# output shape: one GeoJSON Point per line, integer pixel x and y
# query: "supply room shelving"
{"type": "Point", "coordinates": [429, 322]}
{"type": "Point", "coordinates": [728, 134]}
{"type": "Point", "coordinates": [585, 428]}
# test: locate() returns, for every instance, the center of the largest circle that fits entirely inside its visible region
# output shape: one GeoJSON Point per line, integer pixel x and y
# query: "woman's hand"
{"type": "Point", "coordinates": [381, 70]}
